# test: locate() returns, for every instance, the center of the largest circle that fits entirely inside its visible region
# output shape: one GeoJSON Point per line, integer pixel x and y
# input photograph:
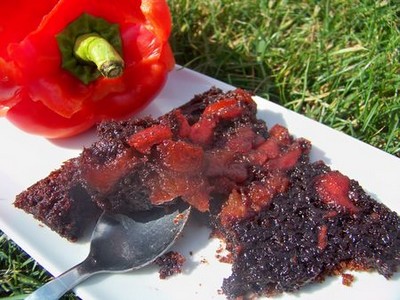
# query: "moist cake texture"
{"type": "Point", "coordinates": [287, 221]}
{"type": "Point", "coordinates": [170, 263]}
{"type": "Point", "coordinates": [300, 239]}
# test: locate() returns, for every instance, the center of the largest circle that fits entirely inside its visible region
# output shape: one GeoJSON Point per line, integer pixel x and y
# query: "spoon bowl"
{"type": "Point", "coordinates": [121, 243]}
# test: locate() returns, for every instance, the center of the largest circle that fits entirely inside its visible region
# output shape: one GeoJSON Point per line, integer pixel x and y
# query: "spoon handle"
{"type": "Point", "coordinates": [57, 287]}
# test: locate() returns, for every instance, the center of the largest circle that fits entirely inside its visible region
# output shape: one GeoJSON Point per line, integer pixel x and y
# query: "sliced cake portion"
{"type": "Point", "coordinates": [61, 201]}
{"type": "Point", "coordinates": [140, 163]}
{"type": "Point", "coordinates": [287, 221]}
{"type": "Point", "coordinates": [323, 224]}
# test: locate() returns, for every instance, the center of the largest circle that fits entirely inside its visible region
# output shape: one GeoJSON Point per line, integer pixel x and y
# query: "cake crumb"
{"type": "Point", "coordinates": [227, 259]}
{"type": "Point", "coordinates": [170, 263]}
{"type": "Point", "coordinates": [347, 279]}
{"type": "Point", "coordinates": [179, 218]}
{"type": "Point", "coordinates": [204, 261]}
{"type": "Point", "coordinates": [223, 255]}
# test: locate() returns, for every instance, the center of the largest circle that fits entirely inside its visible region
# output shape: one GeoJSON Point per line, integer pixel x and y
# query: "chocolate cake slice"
{"type": "Point", "coordinates": [137, 164]}
{"type": "Point", "coordinates": [287, 221]}
{"type": "Point", "coordinates": [324, 224]}
{"type": "Point", "coordinates": [61, 201]}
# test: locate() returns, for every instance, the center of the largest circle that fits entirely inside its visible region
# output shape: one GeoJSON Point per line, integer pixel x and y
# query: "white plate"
{"type": "Point", "coordinates": [24, 159]}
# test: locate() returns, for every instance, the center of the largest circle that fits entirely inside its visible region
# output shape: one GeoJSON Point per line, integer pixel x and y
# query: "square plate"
{"type": "Point", "coordinates": [25, 159]}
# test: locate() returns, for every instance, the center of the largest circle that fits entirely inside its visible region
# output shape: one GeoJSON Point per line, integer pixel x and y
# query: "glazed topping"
{"type": "Point", "coordinates": [225, 109]}
{"type": "Point", "coordinates": [322, 237]}
{"type": "Point", "coordinates": [202, 132]}
{"type": "Point", "coordinates": [333, 189]}
{"type": "Point", "coordinates": [222, 151]}
{"type": "Point", "coordinates": [183, 128]}
{"type": "Point", "coordinates": [267, 150]}
{"type": "Point", "coordinates": [101, 173]}
{"type": "Point", "coordinates": [181, 156]}
{"type": "Point", "coordinates": [286, 221]}
{"type": "Point", "coordinates": [286, 160]}
{"type": "Point", "coordinates": [143, 140]}
{"type": "Point", "coordinates": [252, 199]}
{"type": "Point", "coordinates": [178, 173]}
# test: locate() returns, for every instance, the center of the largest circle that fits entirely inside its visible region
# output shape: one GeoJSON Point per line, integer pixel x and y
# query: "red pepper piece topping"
{"type": "Point", "coordinates": [281, 134]}
{"type": "Point", "coordinates": [200, 199]}
{"type": "Point", "coordinates": [259, 195]}
{"type": "Point", "coordinates": [235, 208]}
{"type": "Point", "coordinates": [202, 132]}
{"type": "Point", "coordinates": [181, 156]}
{"type": "Point", "coordinates": [167, 185]}
{"type": "Point", "coordinates": [224, 109]}
{"type": "Point", "coordinates": [322, 237]}
{"type": "Point", "coordinates": [103, 176]}
{"type": "Point", "coordinates": [264, 152]}
{"type": "Point", "coordinates": [143, 140]}
{"type": "Point", "coordinates": [286, 160]}
{"type": "Point", "coordinates": [333, 189]}
{"type": "Point", "coordinates": [262, 192]}
{"type": "Point", "coordinates": [330, 214]}
{"type": "Point", "coordinates": [242, 140]}
{"type": "Point", "coordinates": [183, 124]}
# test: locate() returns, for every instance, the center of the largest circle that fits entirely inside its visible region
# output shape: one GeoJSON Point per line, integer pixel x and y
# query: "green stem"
{"type": "Point", "coordinates": [93, 48]}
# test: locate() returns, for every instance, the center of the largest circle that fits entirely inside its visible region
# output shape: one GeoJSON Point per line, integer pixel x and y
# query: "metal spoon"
{"type": "Point", "coordinates": [120, 243]}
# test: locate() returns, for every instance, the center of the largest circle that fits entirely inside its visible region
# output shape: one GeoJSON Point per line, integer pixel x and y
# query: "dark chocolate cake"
{"type": "Point", "coordinates": [61, 201]}
{"type": "Point", "coordinates": [287, 221]}
{"type": "Point", "coordinates": [305, 234]}
{"type": "Point", "coordinates": [170, 263]}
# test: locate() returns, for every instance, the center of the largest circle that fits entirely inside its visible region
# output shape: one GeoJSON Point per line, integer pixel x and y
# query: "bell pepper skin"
{"type": "Point", "coordinates": [41, 97]}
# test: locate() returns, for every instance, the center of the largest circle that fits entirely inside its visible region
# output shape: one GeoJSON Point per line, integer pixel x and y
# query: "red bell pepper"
{"type": "Point", "coordinates": [65, 65]}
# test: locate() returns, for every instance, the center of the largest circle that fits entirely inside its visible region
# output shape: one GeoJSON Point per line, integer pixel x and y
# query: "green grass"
{"type": "Point", "coordinates": [335, 61]}
{"type": "Point", "coordinates": [19, 274]}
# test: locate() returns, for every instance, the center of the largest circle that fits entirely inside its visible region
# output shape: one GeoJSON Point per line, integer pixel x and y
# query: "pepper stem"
{"type": "Point", "coordinates": [93, 48]}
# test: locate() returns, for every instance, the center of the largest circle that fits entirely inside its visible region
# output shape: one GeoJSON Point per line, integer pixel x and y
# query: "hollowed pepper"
{"type": "Point", "coordinates": [66, 65]}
